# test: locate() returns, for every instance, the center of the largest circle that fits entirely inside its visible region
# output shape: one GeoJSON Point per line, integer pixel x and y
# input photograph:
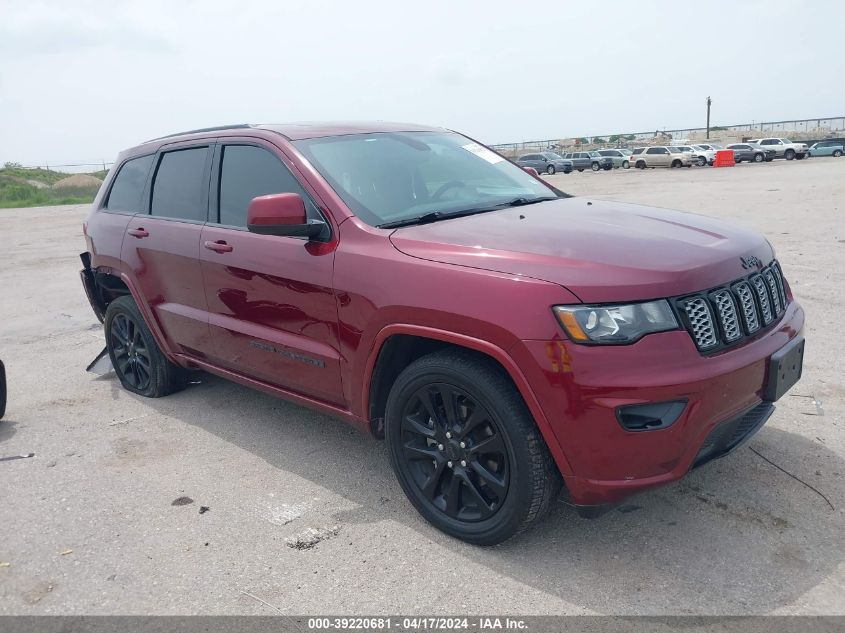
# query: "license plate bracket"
{"type": "Point", "coordinates": [785, 367]}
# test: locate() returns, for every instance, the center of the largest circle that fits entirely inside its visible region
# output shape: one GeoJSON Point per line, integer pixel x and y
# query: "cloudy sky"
{"type": "Point", "coordinates": [80, 80]}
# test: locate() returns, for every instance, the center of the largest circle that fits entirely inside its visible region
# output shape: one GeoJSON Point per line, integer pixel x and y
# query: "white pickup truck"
{"type": "Point", "coordinates": [784, 148]}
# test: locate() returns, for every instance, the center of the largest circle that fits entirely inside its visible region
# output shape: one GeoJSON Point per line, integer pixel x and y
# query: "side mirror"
{"type": "Point", "coordinates": [282, 214]}
{"type": "Point", "coordinates": [532, 171]}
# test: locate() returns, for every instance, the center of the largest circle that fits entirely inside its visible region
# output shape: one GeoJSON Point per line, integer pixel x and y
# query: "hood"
{"type": "Point", "coordinates": [600, 251]}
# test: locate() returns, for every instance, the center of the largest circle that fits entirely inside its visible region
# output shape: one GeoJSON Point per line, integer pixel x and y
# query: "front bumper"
{"type": "Point", "coordinates": [580, 388]}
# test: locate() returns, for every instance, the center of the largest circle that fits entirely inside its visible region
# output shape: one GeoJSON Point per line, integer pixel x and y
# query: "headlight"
{"type": "Point", "coordinates": [615, 324]}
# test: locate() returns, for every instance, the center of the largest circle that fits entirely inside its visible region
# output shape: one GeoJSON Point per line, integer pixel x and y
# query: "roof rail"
{"type": "Point", "coordinates": [236, 126]}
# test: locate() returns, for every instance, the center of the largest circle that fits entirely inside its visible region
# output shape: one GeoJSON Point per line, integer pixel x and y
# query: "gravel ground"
{"type": "Point", "coordinates": [303, 513]}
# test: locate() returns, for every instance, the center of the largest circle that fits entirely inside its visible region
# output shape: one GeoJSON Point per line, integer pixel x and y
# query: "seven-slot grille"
{"type": "Point", "coordinates": [725, 316]}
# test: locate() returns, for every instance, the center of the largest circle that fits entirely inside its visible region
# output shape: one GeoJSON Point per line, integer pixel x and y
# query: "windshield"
{"type": "Point", "coordinates": [388, 177]}
{"type": "Point", "coordinates": [673, 149]}
{"type": "Point", "coordinates": [786, 140]}
{"type": "Point", "coordinates": [553, 156]}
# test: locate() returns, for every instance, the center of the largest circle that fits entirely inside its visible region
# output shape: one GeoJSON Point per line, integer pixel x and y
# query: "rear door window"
{"type": "Point", "coordinates": [180, 189]}
{"type": "Point", "coordinates": [247, 172]}
{"type": "Point", "coordinates": [128, 187]}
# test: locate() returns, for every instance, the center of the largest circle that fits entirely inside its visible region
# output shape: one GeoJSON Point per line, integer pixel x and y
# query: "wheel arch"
{"type": "Point", "coordinates": [396, 346]}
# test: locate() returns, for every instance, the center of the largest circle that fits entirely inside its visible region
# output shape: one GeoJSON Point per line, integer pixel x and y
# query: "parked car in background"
{"type": "Point", "coordinates": [619, 159]}
{"type": "Point", "coordinates": [827, 148]}
{"type": "Point", "coordinates": [697, 157]}
{"type": "Point", "coordinates": [784, 148]}
{"type": "Point", "coordinates": [2, 390]}
{"type": "Point", "coordinates": [597, 161]}
{"type": "Point", "coordinates": [545, 162]}
{"type": "Point", "coordinates": [659, 156]}
{"type": "Point", "coordinates": [580, 160]}
{"type": "Point", "coordinates": [708, 152]}
{"type": "Point", "coordinates": [751, 153]}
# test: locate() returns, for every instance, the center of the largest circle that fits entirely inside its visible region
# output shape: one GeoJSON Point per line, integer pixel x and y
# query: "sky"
{"type": "Point", "coordinates": [82, 80]}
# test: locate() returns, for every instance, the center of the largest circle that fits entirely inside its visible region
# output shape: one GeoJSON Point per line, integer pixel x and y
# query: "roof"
{"type": "Point", "coordinates": [299, 131]}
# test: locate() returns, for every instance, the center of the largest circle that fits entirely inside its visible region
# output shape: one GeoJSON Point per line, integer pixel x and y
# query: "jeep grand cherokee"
{"type": "Point", "coordinates": [504, 338]}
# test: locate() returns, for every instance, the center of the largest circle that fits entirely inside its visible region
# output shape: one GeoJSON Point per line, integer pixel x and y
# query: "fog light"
{"type": "Point", "coordinates": [651, 416]}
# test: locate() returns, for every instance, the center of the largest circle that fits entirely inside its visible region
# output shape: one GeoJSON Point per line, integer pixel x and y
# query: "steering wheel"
{"type": "Point", "coordinates": [452, 184]}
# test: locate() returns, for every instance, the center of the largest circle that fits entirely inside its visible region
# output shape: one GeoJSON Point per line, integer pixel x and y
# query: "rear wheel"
{"type": "Point", "coordinates": [550, 170]}
{"type": "Point", "coordinates": [837, 153]}
{"type": "Point", "coordinates": [465, 448]}
{"type": "Point", "coordinates": [640, 164]}
{"type": "Point", "coordinates": [676, 163]}
{"type": "Point", "coordinates": [137, 360]}
{"type": "Point", "coordinates": [789, 154]}
{"type": "Point", "coordinates": [580, 170]}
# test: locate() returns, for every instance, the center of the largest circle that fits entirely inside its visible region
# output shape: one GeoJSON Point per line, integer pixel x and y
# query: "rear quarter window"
{"type": "Point", "coordinates": [128, 186]}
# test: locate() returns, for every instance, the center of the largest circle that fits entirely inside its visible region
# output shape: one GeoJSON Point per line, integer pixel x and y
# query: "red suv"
{"type": "Point", "coordinates": [502, 336]}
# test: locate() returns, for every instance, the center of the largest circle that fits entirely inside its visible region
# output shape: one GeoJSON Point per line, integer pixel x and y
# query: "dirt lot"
{"type": "Point", "coordinates": [89, 524]}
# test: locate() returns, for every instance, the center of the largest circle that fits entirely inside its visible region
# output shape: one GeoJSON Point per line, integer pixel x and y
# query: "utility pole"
{"type": "Point", "coordinates": [709, 101]}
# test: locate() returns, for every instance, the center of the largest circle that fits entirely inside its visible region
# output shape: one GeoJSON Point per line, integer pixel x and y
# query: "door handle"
{"type": "Point", "coordinates": [139, 232]}
{"type": "Point", "coordinates": [219, 246]}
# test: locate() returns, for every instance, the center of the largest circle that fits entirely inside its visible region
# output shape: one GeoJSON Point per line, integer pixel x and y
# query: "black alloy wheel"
{"type": "Point", "coordinates": [131, 357]}
{"type": "Point", "coordinates": [137, 360]}
{"type": "Point", "coordinates": [454, 453]}
{"type": "Point", "coordinates": [466, 449]}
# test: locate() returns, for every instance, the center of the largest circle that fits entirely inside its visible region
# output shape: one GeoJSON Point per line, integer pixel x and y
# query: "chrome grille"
{"type": "Point", "coordinates": [724, 316]}
{"type": "Point", "coordinates": [701, 323]}
{"type": "Point", "coordinates": [763, 298]}
{"type": "Point", "coordinates": [747, 307]}
{"type": "Point", "coordinates": [726, 309]}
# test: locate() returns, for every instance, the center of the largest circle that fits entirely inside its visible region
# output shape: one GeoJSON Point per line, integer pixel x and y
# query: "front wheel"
{"type": "Point", "coordinates": [550, 170]}
{"type": "Point", "coordinates": [596, 166]}
{"type": "Point", "coordinates": [625, 164]}
{"type": "Point", "coordinates": [758, 158]}
{"type": "Point", "coordinates": [702, 161]}
{"type": "Point", "coordinates": [465, 448]}
{"type": "Point", "coordinates": [789, 154]}
{"type": "Point", "coordinates": [137, 360]}
{"type": "Point", "coordinates": [580, 170]}
{"type": "Point", "coordinates": [676, 163]}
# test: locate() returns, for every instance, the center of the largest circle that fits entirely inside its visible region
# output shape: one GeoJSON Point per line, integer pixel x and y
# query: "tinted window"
{"type": "Point", "coordinates": [180, 187]}
{"type": "Point", "coordinates": [639, 150]}
{"type": "Point", "coordinates": [125, 194]}
{"type": "Point", "coordinates": [655, 150]}
{"type": "Point", "coordinates": [248, 172]}
{"type": "Point", "coordinates": [768, 141]}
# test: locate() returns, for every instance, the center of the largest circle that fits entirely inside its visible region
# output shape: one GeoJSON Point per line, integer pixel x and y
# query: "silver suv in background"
{"type": "Point", "coordinates": [618, 156]}
{"type": "Point", "coordinates": [784, 148]}
{"type": "Point", "coordinates": [545, 163]}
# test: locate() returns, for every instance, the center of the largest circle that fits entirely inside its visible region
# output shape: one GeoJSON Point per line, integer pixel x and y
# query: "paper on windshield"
{"type": "Point", "coordinates": [483, 152]}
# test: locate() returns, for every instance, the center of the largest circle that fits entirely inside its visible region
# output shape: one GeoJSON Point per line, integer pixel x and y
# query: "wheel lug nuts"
{"type": "Point", "coordinates": [449, 464]}
{"type": "Point", "coordinates": [463, 463]}
{"type": "Point", "coordinates": [463, 444]}
{"type": "Point", "coordinates": [440, 447]}
{"type": "Point", "coordinates": [448, 435]}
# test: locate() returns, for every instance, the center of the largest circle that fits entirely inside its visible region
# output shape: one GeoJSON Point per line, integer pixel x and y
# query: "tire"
{"type": "Point", "coordinates": [640, 164]}
{"type": "Point", "coordinates": [837, 153]}
{"type": "Point", "coordinates": [800, 156]}
{"type": "Point", "coordinates": [521, 479]}
{"type": "Point", "coordinates": [758, 158]}
{"type": "Point", "coordinates": [580, 170]}
{"type": "Point", "coordinates": [702, 161]}
{"type": "Point", "coordinates": [550, 170]}
{"type": "Point", "coordinates": [596, 166]}
{"type": "Point", "coordinates": [139, 363]}
{"type": "Point", "coordinates": [675, 163]}
{"type": "Point", "coordinates": [608, 167]}
{"type": "Point", "coordinates": [2, 390]}
{"type": "Point", "coordinates": [626, 164]}
{"type": "Point", "coordinates": [789, 154]}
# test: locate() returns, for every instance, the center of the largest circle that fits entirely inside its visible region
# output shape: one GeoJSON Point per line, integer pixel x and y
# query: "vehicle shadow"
{"type": "Point", "coordinates": [738, 534]}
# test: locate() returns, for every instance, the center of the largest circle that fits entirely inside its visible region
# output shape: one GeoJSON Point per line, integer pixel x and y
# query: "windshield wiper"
{"type": "Point", "coordinates": [434, 216]}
